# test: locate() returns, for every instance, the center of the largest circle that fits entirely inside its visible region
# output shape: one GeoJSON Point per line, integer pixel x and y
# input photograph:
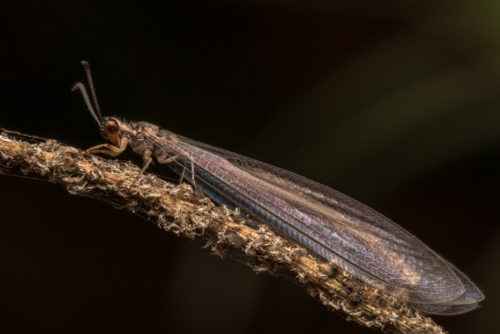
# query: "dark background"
{"type": "Point", "coordinates": [394, 103]}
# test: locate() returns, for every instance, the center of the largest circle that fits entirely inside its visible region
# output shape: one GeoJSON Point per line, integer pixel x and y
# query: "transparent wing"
{"type": "Point", "coordinates": [357, 237]}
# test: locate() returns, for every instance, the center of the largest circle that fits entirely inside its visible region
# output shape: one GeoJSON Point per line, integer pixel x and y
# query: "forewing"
{"type": "Point", "coordinates": [373, 245]}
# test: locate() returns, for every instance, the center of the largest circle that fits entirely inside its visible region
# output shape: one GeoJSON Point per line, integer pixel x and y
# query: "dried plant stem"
{"type": "Point", "coordinates": [179, 209]}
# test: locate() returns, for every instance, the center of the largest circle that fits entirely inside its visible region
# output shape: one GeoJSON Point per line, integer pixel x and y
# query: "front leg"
{"type": "Point", "coordinates": [109, 149]}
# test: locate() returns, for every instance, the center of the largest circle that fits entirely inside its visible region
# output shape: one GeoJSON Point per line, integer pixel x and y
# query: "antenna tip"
{"type": "Point", "coordinates": [76, 86]}
{"type": "Point", "coordinates": [85, 64]}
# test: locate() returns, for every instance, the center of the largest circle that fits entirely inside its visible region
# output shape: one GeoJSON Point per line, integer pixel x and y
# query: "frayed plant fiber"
{"type": "Point", "coordinates": [186, 212]}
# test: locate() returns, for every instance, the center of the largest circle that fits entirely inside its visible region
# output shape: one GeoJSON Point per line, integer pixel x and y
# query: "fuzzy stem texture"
{"type": "Point", "coordinates": [186, 212]}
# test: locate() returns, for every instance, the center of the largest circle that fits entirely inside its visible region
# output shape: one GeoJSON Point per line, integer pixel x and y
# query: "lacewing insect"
{"type": "Point", "coordinates": [332, 225]}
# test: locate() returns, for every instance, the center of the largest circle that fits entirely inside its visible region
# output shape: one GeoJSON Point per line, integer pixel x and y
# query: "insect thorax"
{"type": "Point", "coordinates": [146, 136]}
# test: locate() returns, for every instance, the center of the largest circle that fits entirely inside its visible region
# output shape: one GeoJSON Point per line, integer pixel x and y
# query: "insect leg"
{"type": "Point", "coordinates": [109, 149]}
{"type": "Point", "coordinates": [165, 160]}
{"type": "Point", "coordinates": [181, 179]}
{"type": "Point", "coordinates": [192, 175]}
{"type": "Point", "coordinates": [146, 157]}
{"type": "Point", "coordinates": [162, 159]}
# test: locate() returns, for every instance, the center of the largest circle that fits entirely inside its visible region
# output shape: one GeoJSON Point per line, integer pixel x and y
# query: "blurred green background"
{"type": "Point", "coordinates": [393, 103]}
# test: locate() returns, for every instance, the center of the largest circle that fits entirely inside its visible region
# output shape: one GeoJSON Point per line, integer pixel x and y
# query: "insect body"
{"type": "Point", "coordinates": [332, 225]}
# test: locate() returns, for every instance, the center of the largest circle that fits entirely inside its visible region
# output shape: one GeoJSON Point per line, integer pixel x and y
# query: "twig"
{"type": "Point", "coordinates": [179, 209]}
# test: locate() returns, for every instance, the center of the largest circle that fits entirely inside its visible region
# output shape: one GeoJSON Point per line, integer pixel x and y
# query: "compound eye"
{"type": "Point", "coordinates": [111, 126]}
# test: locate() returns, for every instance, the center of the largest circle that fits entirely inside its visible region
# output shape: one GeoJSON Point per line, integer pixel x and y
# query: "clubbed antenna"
{"type": "Point", "coordinates": [85, 96]}
{"type": "Point", "coordinates": [86, 67]}
{"type": "Point", "coordinates": [96, 113]}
